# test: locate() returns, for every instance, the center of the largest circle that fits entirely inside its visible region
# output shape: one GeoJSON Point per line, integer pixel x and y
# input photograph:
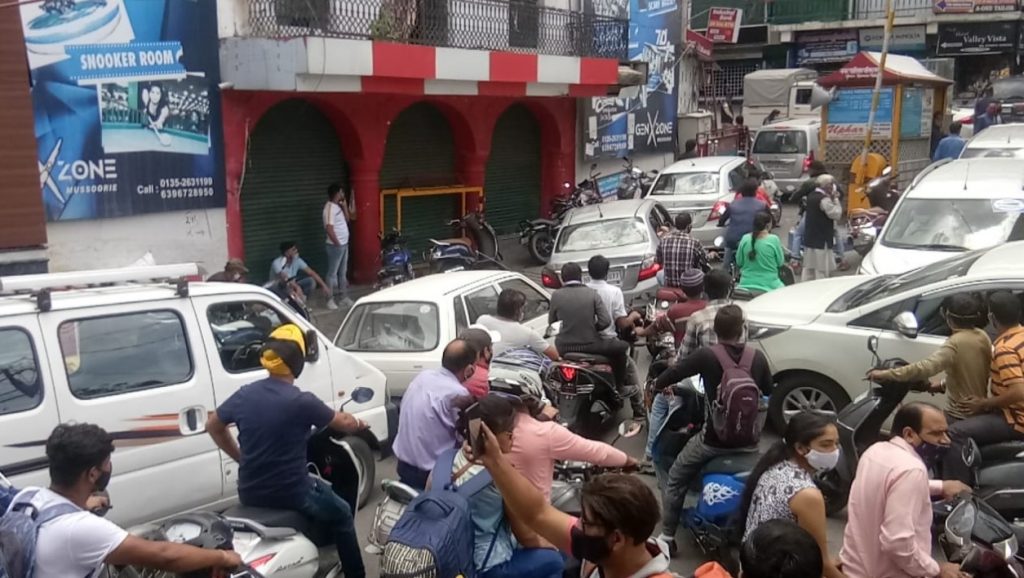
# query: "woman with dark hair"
{"type": "Point", "coordinates": [781, 486]}
{"type": "Point", "coordinates": [759, 257]}
{"type": "Point", "coordinates": [502, 547]}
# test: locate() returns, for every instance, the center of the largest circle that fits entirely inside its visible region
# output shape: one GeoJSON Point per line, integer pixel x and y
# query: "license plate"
{"type": "Point", "coordinates": [614, 277]}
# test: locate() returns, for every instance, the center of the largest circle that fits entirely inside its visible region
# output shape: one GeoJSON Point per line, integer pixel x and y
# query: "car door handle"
{"type": "Point", "coordinates": [192, 420]}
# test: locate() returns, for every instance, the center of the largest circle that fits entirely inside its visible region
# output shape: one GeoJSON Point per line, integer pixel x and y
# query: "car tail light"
{"type": "Point", "coordinates": [717, 210]}
{"type": "Point", "coordinates": [549, 280]}
{"type": "Point", "coordinates": [968, 120]}
{"type": "Point", "coordinates": [808, 160]}
{"type": "Point", "coordinates": [648, 269]}
{"type": "Point", "coordinates": [262, 561]}
{"type": "Point", "coordinates": [568, 372]}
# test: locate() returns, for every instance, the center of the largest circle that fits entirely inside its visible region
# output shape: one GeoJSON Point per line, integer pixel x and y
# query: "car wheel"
{"type": "Point", "coordinates": [805, 392]}
{"type": "Point", "coordinates": [368, 466]}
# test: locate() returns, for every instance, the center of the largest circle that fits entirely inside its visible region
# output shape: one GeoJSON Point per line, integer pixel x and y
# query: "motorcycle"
{"type": "Point", "coordinates": [272, 543]}
{"type": "Point", "coordinates": [978, 538]}
{"type": "Point", "coordinates": [477, 250]}
{"type": "Point", "coordinates": [539, 235]}
{"type": "Point", "coordinates": [634, 183]}
{"type": "Point", "coordinates": [669, 329]}
{"type": "Point", "coordinates": [395, 260]}
{"type": "Point", "coordinates": [786, 273]}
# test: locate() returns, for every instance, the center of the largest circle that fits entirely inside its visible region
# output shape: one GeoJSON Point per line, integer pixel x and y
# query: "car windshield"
{"type": "Point", "coordinates": [1008, 89]}
{"type": "Point", "coordinates": [602, 235]}
{"type": "Point", "coordinates": [686, 184]}
{"type": "Point", "coordinates": [955, 224]}
{"type": "Point", "coordinates": [390, 326]}
{"type": "Point", "coordinates": [884, 286]}
{"type": "Point", "coordinates": [992, 153]}
{"type": "Point", "coordinates": [780, 142]}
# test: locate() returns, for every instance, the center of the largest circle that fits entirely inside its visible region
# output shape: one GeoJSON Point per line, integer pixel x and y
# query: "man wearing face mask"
{"type": "Point", "coordinates": [75, 542]}
{"type": "Point", "coordinates": [613, 536]}
{"type": "Point", "coordinates": [888, 533]}
{"type": "Point", "coordinates": [427, 424]}
{"type": "Point", "coordinates": [275, 420]}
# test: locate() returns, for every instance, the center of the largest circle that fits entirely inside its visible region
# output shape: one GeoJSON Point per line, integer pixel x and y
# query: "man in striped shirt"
{"type": "Point", "coordinates": [999, 417]}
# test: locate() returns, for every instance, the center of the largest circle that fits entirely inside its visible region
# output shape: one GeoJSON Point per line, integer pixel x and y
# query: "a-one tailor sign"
{"type": "Point", "coordinates": [973, 6]}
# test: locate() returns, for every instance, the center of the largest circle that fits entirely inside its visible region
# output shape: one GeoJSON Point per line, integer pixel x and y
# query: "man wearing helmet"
{"type": "Point", "coordinates": [275, 419]}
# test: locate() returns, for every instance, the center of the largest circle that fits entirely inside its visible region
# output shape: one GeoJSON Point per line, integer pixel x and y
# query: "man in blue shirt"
{"type": "Point", "coordinates": [285, 270]}
{"type": "Point", "coordinates": [275, 420]}
{"type": "Point", "coordinates": [739, 217]}
{"type": "Point", "coordinates": [951, 145]}
{"type": "Point", "coordinates": [988, 119]}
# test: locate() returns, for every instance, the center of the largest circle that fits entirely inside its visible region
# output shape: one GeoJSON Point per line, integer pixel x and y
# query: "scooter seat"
{"type": "Point", "coordinates": [274, 518]}
{"type": "Point", "coordinates": [671, 294]}
{"type": "Point", "coordinates": [738, 465]}
{"type": "Point", "coordinates": [1001, 452]}
{"type": "Point", "coordinates": [591, 358]}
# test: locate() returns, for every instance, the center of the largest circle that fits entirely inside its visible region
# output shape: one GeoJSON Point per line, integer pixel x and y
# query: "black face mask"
{"type": "Point", "coordinates": [590, 548]}
{"type": "Point", "coordinates": [102, 481]}
{"type": "Point", "coordinates": [931, 454]}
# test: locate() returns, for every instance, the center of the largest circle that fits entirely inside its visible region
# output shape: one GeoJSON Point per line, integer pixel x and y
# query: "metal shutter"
{"type": "Point", "coordinates": [293, 156]}
{"type": "Point", "coordinates": [420, 152]}
{"type": "Point", "coordinates": [512, 181]}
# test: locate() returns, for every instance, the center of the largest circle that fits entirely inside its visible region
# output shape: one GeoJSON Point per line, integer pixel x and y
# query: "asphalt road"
{"type": "Point", "coordinates": [689, 557]}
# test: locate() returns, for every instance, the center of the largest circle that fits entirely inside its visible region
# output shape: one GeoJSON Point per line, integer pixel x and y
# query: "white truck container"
{"type": "Point", "coordinates": [787, 91]}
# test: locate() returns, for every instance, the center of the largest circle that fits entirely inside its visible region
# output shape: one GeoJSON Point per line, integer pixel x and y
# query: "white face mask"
{"type": "Point", "coordinates": [822, 461]}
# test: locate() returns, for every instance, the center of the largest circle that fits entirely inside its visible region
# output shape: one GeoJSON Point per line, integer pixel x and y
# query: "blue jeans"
{"type": "Point", "coordinates": [329, 509]}
{"type": "Point", "coordinates": [659, 413]}
{"type": "Point", "coordinates": [660, 277]}
{"type": "Point", "coordinates": [337, 269]}
{"type": "Point", "coordinates": [307, 284]}
{"type": "Point", "coordinates": [528, 563]}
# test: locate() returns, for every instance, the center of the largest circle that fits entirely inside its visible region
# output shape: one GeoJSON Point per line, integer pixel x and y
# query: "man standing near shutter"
{"type": "Point", "coordinates": [336, 224]}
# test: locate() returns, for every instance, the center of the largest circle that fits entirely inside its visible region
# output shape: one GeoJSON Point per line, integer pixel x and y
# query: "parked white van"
{"type": "Point", "coordinates": [146, 355]}
{"type": "Point", "coordinates": [951, 207]}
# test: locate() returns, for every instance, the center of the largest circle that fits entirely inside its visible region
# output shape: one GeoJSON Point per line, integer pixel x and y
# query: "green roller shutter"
{"type": "Point", "coordinates": [293, 156]}
{"type": "Point", "coordinates": [420, 152]}
{"type": "Point", "coordinates": [512, 182]}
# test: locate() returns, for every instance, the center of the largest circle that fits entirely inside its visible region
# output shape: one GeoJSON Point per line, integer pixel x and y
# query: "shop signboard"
{"type": "Point", "coordinates": [127, 110]}
{"type": "Point", "coordinates": [848, 114]}
{"type": "Point", "coordinates": [825, 47]}
{"type": "Point", "coordinates": [646, 123]}
{"type": "Point", "coordinates": [904, 39]}
{"type": "Point", "coordinates": [702, 45]}
{"type": "Point", "coordinates": [977, 38]}
{"type": "Point", "coordinates": [973, 6]}
{"type": "Point", "coordinates": [724, 25]}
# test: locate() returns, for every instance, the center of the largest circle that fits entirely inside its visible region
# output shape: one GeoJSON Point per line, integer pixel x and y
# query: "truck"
{"type": "Point", "coordinates": [773, 95]}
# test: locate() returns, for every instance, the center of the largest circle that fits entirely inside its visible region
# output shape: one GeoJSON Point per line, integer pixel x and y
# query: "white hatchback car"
{"type": "Point", "coordinates": [1001, 141]}
{"type": "Point", "coordinates": [815, 334]}
{"type": "Point", "coordinates": [403, 329]}
{"type": "Point", "coordinates": [951, 207]}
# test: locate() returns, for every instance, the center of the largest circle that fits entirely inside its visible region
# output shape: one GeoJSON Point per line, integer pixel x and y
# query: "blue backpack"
{"type": "Point", "coordinates": [434, 536]}
{"type": "Point", "coordinates": [18, 530]}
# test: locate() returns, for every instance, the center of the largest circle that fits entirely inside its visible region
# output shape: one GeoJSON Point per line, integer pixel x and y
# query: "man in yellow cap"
{"type": "Point", "coordinates": [275, 420]}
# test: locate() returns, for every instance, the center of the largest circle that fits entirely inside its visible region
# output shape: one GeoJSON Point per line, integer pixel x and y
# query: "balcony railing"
{"type": "Point", "coordinates": [517, 26]}
{"type": "Point", "coordinates": [796, 11]}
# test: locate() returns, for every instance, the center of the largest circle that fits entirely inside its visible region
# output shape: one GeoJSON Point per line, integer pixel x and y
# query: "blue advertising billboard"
{"type": "Point", "coordinates": [126, 105]}
{"type": "Point", "coordinates": [617, 127]}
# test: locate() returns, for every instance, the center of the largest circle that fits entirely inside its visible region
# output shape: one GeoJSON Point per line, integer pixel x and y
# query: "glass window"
{"type": "Point", "coordinates": [240, 329]}
{"type": "Point", "coordinates": [780, 142]}
{"type": "Point", "coordinates": [883, 286]}
{"type": "Point", "coordinates": [536, 302]}
{"type": "Point", "coordinates": [602, 235]}
{"type": "Point", "coordinates": [391, 326]}
{"type": "Point", "coordinates": [955, 224]}
{"type": "Point", "coordinates": [881, 318]}
{"type": "Point", "coordinates": [460, 315]}
{"type": "Point", "coordinates": [736, 178]}
{"type": "Point", "coordinates": [21, 385]}
{"type": "Point", "coordinates": [685, 184]}
{"type": "Point", "coordinates": [483, 301]}
{"type": "Point", "coordinates": [118, 354]}
{"type": "Point", "coordinates": [803, 96]}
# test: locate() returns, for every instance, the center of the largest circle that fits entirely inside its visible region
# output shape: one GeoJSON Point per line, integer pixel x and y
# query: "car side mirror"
{"type": "Point", "coordinates": [906, 325]}
{"type": "Point", "coordinates": [312, 346]}
{"type": "Point", "coordinates": [873, 344]}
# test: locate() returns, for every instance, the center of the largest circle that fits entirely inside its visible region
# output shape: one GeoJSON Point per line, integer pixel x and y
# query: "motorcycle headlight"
{"type": "Point", "coordinates": [756, 331]}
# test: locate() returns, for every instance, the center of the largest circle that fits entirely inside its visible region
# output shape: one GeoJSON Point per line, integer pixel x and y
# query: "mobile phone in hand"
{"type": "Point", "coordinates": [476, 437]}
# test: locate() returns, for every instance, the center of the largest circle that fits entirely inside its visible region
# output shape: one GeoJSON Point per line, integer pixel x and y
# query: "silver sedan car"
{"type": "Point", "coordinates": [626, 232]}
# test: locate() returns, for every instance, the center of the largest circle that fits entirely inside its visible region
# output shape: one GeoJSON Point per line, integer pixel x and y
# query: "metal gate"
{"type": "Point", "coordinates": [293, 156]}
{"type": "Point", "coordinates": [512, 181]}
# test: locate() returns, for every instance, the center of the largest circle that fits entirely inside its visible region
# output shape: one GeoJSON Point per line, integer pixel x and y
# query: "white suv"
{"type": "Point", "coordinates": [147, 361]}
{"type": "Point", "coordinates": [815, 334]}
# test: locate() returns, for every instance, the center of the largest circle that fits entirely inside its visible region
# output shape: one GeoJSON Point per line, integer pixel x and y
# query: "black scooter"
{"type": "Point", "coordinates": [978, 538]}
{"type": "Point", "coordinates": [478, 249]}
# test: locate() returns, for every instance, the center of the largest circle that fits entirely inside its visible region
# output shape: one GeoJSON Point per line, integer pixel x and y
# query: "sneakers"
{"type": "Point", "coordinates": [331, 304]}
{"type": "Point", "coordinates": [673, 548]}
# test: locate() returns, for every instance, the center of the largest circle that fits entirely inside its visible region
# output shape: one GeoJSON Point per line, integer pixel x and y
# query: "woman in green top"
{"type": "Point", "coordinates": [759, 257]}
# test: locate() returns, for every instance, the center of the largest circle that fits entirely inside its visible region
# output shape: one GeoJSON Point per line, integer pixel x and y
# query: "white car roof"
{"type": "Point", "coordinates": [1001, 261]}
{"type": "Point", "coordinates": [427, 288]}
{"type": "Point", "coordinates": [703, 165]}
{"type": "Point", "coordinates": [623, 209]}
{"type": "Point", "coordinates": [998, 136]}
{"type": "Point", "coordinates": [977, 178]}
{"type": "Point", "coordinates": [792, 124]}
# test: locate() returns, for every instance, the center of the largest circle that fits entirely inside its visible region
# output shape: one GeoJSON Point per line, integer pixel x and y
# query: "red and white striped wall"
{"type": "Point", "coordinates": [341, 65]}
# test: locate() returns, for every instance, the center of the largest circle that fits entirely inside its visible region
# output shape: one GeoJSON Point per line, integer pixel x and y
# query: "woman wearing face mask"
{"type": "Point", "coordinates": [782, 484]}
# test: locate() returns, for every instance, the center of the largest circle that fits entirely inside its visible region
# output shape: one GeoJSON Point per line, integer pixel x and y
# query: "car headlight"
{"type": "Point", "coordinates": [756, 331]}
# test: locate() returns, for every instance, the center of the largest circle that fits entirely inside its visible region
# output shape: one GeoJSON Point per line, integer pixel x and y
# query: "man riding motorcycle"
{"type": "Point", "coordinates": [275, 419]}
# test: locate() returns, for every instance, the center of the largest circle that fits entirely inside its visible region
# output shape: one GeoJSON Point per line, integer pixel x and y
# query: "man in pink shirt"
{"type": "Point", "coordinates": [891, 537]}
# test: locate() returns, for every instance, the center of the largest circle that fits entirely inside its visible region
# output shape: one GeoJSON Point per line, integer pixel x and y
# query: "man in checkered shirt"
{"type": "Point", "coordinates": [679, 252]}
{"type": "Point", "coordinates": [700, 330]}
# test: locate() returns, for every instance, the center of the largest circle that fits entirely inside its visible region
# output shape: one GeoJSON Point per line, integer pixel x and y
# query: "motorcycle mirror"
{"type": "Point", "coordinates": [906, 325]}
{"type": "Point", "coordinates": [362, 394]}
{"type": "Point", "coordinates": [312, 346]}
{"type": "Point", "coordinates": [886, 171]}
{"type": "Point", "coordinates": [873, 344]}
